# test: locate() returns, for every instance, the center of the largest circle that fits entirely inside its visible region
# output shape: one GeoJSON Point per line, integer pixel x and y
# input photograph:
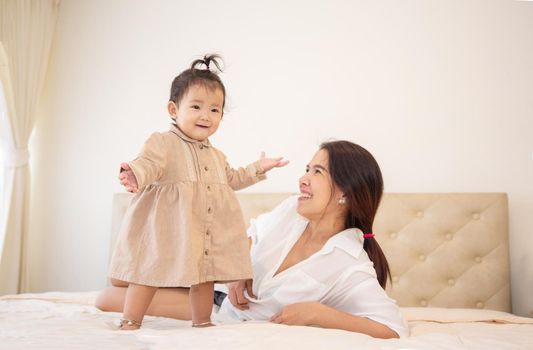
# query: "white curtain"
{"type": "Point", "coordinates": [26, 32]}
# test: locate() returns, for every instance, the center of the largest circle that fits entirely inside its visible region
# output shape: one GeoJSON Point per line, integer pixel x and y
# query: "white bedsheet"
{"type": "Point", "coordinates": [69, 321]}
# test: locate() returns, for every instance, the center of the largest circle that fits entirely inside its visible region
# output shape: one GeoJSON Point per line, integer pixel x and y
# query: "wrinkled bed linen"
{"type": "Point", "coordinates": [70, 321]}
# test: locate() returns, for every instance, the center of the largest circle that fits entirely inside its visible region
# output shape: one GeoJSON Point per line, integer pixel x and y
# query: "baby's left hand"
{"type": "Point", "coordinates": [269, 163]}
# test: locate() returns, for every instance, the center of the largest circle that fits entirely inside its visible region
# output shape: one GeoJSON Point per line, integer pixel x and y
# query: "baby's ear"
{"type": "Point", "coordinates": [172, 109]}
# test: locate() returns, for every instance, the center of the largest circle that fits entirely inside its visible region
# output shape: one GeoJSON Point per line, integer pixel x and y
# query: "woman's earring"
{"type": "Point", "coordinates": [342, 200]}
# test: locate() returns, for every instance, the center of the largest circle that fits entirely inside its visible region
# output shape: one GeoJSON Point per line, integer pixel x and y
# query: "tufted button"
{"type": "Point", "coordinates": [448, 236]}
{"type": "Point", "coordinates": [395, 279]}
{"type": "Point", "coordinates": [208, 188]}
{"type": "Point", "coordinates": [423, 303]}
{"type": "Point", "coordinates": [475, 216]}
{"type": "Point", "coordinates": [201, 146]}
{"type": "Point", "coordinates": [478, 259]}
{"type": "Point", "coordinates": [207, 233]}
{"type": "Point", "coordinates": [209, 210]}
{"type": "Point", "coordinates": [206, 168]}
{"type": "Point", "coordinates": [480, 305]}
{"type": "Point", "coordinates": [393, 235]}
{"type": "Point", "coordinates": [420, 214]}
{"type": "Point", "coordinates": [451, 282]}
{"type": "Point", "coordinates": [206, 252]}
{"type": "Point", "coordinates": [421, 257]}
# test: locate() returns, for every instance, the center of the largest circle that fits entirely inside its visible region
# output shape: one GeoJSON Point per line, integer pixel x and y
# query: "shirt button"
{"type": "Point", "coordinates": [206, 168]}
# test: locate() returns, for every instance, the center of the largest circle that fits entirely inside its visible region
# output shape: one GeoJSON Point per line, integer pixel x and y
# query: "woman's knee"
{"type": "Point", "coordinates": [110, 299]}
{"type": "Point", "coordinates": [101, 302]}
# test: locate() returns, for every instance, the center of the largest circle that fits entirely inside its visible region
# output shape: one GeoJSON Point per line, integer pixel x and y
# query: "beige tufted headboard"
{"type": "Point", "coordinates": [444, 250]}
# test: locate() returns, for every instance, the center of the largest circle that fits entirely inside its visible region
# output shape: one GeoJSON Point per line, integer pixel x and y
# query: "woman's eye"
{"type": "Point", "coordinates": [317, 171]}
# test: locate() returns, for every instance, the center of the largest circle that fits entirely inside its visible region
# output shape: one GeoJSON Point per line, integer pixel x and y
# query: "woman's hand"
{"type": "Point", "coordinates": [299, 314]}
{"type": "Point", "coordinates": [128, 179]}
{"type": "Point", "coordinates": [236, 293]}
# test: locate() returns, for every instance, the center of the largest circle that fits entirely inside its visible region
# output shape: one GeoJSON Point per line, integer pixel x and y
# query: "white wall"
{"type": "Point", "coordinates": [439, 91]}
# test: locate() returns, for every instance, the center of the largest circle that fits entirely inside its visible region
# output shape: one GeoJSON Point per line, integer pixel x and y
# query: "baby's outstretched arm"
{"type": "Point", "coordinates": [270, 163]}
{"type": "Point", "coordinates": [128, 179]}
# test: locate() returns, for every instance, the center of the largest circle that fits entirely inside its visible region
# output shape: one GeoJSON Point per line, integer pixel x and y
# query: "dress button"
{"type": "Point", "coordinates": [206, 168]}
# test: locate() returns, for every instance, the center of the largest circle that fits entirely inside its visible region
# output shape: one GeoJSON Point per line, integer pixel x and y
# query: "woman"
{"type": "Point", "coordinates": [314, 257]}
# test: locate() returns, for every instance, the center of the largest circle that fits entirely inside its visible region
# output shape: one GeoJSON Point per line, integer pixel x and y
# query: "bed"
{"type": "Point", "coordinates": [450, 275]}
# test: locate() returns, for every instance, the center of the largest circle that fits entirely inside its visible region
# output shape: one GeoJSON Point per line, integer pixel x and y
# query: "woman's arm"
{"type": "Point", "coordinates": [317, 314]}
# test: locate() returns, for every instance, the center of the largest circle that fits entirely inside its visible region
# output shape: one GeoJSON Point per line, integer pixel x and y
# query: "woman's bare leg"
{"type": "Point", "coordinates": [167, 302]}
{"type": "Point", "coordinates": [201, 300]}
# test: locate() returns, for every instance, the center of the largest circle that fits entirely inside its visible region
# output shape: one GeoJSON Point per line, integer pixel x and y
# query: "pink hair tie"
{"type": "Point", "coordinates": [368, 235]}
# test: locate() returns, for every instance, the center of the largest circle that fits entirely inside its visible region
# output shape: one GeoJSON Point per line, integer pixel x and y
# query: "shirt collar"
{"type": "Point", "coordinates": [176, 130]}
{"type": "Point", "coordinates": [350, 240]}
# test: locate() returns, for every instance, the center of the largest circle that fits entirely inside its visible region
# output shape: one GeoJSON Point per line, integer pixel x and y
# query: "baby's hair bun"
{"type": "Point", "coordinates": [206, 62]}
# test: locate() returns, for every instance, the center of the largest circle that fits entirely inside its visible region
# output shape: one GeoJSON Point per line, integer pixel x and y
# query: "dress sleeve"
{"type": "Point", "coordinates": [243, 177]}
{"type": "Point", "coordinates": [359, 293]}
{"type": "Point", "coordinates": [149, 164]}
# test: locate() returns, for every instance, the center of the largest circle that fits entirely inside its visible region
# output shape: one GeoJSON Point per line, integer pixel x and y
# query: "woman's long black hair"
{"type": "Point", "coordinates": [356, 173]}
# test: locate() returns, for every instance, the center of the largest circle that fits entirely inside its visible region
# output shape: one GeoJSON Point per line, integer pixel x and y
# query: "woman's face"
{"type": "Point", "coordinates": [318, 196]}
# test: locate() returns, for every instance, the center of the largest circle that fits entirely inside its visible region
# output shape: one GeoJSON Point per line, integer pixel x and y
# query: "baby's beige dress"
{"type": "Point", "coordinates": [185, 226]}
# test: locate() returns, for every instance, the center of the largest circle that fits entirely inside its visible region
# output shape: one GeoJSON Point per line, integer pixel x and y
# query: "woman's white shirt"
{"type": "Point", "coordinates": [339, 275]}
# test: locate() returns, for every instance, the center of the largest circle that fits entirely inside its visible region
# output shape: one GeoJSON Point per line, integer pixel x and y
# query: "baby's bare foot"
{"type": "Point", "coordinates": [203, 324]}
{"type": "Point", "coordinates": [129, 325]}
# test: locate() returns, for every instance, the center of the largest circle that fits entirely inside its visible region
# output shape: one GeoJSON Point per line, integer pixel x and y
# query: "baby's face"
{"type": "Point", "coordinates": [199, 112]}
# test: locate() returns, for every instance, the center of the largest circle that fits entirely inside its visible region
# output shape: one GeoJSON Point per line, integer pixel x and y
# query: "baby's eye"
{"type": "Point", "coordinates": [195, 107]}
{"type": "Point", "coordinates": [215, 110]}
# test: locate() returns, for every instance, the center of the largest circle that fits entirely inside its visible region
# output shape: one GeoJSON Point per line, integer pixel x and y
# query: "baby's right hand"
{"type": "Point", "coordinates": [128, 179]}
{"type": "Point", "coordinates": [236, 293]}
